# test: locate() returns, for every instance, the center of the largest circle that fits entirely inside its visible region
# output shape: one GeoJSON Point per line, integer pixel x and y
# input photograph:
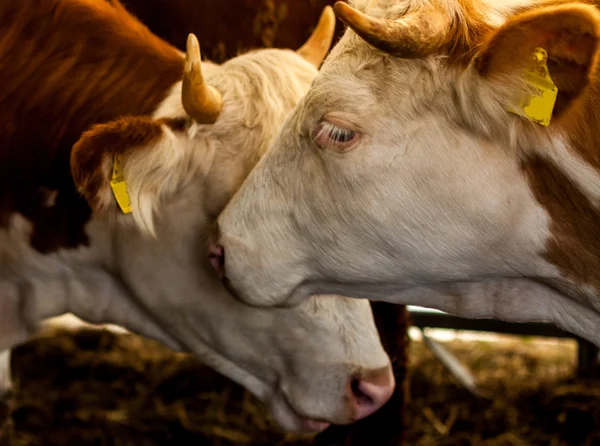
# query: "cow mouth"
{"type": "Point", "coordinates": [290, 419]}
{"type": "Point", "coordinates": [269, 392]}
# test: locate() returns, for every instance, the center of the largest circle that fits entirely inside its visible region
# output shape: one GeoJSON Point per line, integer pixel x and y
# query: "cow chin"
{"type": "Point", "coordinates": [289, 420]}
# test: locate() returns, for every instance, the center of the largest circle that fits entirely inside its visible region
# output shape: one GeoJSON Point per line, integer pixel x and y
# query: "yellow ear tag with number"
{"type": "Point", "coordinates": [118, 185]}
{"type": "Point", "coordinates": [538, 106]}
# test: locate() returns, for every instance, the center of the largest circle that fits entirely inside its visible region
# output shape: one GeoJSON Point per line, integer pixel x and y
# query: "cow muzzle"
{"type": "Point", "coordinates": [364, 395]}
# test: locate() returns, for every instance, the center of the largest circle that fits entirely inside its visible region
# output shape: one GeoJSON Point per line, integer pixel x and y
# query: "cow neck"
{"type": "Point", "coordinates": [566, 182]}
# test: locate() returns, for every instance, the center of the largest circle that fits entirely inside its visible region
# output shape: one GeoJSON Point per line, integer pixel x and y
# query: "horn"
{"type": "Point", "coordinates": [200, 101]}
{"type": "Point", "coordinates": [317, 46]}
{"type": "Point", "coordinates": [416, 35]}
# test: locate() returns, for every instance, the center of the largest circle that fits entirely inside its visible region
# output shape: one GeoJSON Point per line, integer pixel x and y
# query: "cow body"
{"type": "Point", "coordinates": [86, 86]}
{"type": "Point", "coordinates": [429, 184]}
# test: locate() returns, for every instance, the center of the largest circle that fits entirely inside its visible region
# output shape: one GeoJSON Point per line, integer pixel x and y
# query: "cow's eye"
{"type": "Point", "coordinates": [335, 136]}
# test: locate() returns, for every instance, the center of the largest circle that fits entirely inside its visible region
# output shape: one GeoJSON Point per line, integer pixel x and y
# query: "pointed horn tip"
{"type": "Point", "coordinates": [193, 46]}
{"type": "Point", "coordinates": [192, 40]}
{"type": "Point", "coordinates": [328, 15]}
{"type": "Point", "coordinates": [326, 24]}
{"type": "Point", "coordinates": [192, 55]}
{"type": "Point", "coordinates": [352, 17]}
{"type": "Point", "coordinates": [342, 9]}
{"type": "Point", "coordinates": [349, 15]}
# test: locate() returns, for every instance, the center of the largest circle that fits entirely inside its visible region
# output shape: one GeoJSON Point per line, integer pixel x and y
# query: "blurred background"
{"type": "Point", "coordinates": [459, 382]}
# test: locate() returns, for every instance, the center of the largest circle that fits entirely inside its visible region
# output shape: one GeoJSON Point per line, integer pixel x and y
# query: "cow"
{"type": "Point", "coordinates": [118, 153]}
{"type": "Point", "coordinates": [447, 155]}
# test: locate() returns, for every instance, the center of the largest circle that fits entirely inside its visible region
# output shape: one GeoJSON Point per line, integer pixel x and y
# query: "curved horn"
{"type": "Point", "coordinates": [200, 101]}
{"type": "Point", "coordinates": [415, 35]}
{"type": "Point", "coordinates": [317, 46]}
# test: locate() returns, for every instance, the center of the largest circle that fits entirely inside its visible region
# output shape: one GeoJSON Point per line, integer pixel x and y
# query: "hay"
{"type": "Point", "coordinates": [95, 388]}
{"type": "Point", "coordinates": [531, 397]}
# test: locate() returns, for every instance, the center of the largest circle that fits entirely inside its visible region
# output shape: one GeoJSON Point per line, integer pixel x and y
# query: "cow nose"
{"type": "Point", "coordinates": [216, 255]}
{"type": "Point", "coordinates": [371, 391]}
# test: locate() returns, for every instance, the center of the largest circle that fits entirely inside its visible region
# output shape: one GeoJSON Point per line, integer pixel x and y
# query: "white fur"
{"type": "Point", "coordinates": [431, 208]}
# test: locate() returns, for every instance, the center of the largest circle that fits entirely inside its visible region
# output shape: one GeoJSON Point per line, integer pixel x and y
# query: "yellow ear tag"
{"type": "Point", "coordinates": [118, 185]}
{"type": "Point", "coordinates": [538, 106]}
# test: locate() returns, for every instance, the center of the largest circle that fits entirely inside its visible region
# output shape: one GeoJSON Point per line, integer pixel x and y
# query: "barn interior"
{"type": "Point", "coordinates": [92, 387]}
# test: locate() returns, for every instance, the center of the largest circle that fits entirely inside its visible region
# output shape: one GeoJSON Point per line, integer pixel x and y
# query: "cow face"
{"type": "Point", "coordinates": [319, 363]}
{"type": "Point", "coordinates": [402, 176]}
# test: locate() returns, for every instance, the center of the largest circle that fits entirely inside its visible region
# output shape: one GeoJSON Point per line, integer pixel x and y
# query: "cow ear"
{"type": "Point", "coordinates": [125, 166]}
{"type": "Point", "coordinates": [558, 44]}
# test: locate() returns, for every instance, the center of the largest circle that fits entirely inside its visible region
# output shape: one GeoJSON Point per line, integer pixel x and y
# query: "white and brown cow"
{"type": "Point", "coordinates": [177, 137]}
{"type": "Point", "coordinates": [419, 169]}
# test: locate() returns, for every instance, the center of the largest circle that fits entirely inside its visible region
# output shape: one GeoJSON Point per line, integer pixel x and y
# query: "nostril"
{"type": "Point", "coordinates": [216, 254]}
{"type": "Point", "coordinates": [362, 399]}
{"type": "Point", "coordinates": [370, 391]}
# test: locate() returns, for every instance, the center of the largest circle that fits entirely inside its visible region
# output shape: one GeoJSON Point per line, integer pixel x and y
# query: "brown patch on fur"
{"type": "Point", "coordinates": [575, 244]}
{"type": "Point", "coordinates": [91, 158]}
{"type": "Point", "coordinates": [66, 65]}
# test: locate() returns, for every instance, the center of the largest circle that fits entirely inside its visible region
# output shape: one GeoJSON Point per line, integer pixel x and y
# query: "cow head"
{"type": "Point", "coordinates": [315, 364]}
{"type": "Point", "coordinates": [416, 169]}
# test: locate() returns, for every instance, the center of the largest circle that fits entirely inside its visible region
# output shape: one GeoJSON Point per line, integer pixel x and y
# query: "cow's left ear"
{"type": "Point", "coordinates": [564, 39]}
{"type": "Point", "coordinates": [127, 166]}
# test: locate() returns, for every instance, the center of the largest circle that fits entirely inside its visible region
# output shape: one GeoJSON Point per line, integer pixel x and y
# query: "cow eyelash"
{"type": "Point", "coordinates": [336, 133]}
{"type": "Point", "coordinates": [334, 137]}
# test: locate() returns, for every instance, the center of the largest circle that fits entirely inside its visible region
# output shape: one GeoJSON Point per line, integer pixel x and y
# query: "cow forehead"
{"type": "Point", "coordinates": [371, 76]}
{"type": "Point", "coordinates": [471, 20]}
{"type": "Point", "coordinates": [354, 65]}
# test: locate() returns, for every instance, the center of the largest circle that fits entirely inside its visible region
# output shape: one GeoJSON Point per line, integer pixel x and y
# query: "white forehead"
{"type": "Point", "coordinates": [356, 66]}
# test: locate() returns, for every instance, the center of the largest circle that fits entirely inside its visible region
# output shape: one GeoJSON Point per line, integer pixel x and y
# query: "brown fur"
{"type": "Point", "coordinates": [64, 66]}
{"type": "Point", "coordinates": [572, 43]}
{"type": "Point", "coordinates": [575, 244]}
{"type": "Point", "coordinates": [90, 156]}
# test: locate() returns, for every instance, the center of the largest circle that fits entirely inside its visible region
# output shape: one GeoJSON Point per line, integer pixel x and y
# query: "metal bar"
{"type": "Point", "coordinates": [445, 320]}
{"type": "Point", "coordinates": [587, 358]}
